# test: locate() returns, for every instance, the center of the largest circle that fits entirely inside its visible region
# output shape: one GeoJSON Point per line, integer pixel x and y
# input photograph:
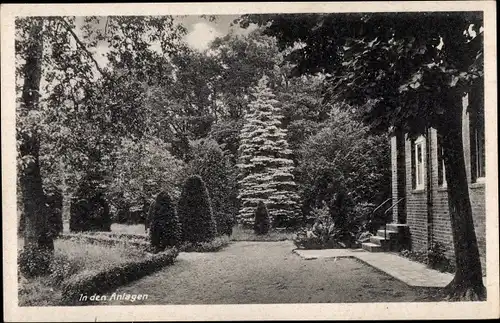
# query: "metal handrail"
{"type": "Point", "coordinates": [381, 204]}
{"type": "Point", "coordinates": [390, 208]}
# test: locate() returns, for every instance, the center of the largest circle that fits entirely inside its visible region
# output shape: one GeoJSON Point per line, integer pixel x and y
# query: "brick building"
{"type": "Point", "coordinates": [419, 181]}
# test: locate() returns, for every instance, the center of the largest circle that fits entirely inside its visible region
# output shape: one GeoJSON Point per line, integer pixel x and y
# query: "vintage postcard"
{"type": "Point", "coordinates": [249, 161]}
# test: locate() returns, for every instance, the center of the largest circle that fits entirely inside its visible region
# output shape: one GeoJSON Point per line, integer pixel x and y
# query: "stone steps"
{"type": "Point", "coordinates": [387, 239]}
{"type": "Point", "coordinates": [372, 247]}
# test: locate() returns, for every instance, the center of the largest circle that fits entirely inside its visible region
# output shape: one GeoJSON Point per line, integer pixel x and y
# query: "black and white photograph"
{"type": "Point", "coordinates": [265, 156]}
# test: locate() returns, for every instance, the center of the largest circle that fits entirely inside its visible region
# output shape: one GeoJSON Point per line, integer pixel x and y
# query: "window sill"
{"type": "Point", "coordinates": [478, 184]}
{"type": "Point", "coordinates": [418, 190]}
{"type": "Point", "coordinates": [442, 189]}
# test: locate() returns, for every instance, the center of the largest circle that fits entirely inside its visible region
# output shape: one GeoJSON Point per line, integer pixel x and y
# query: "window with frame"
{"type": "Point", "coordinates": [440, 162]}
{"type": "Point", "coordinates": [477, 134]}
{"type": "Point", "coordinates": [418, 163]}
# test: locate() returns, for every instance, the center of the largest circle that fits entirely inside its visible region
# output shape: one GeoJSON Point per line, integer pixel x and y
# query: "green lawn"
{"type": "Point", "coordinates": [249, 272]}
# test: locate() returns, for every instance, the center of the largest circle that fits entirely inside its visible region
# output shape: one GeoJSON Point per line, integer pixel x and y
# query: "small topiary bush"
{"type": "Point", "coordinates": [34, 262]}
{"type": "Point", "coordinates": [195, 212]}
{"type": "Point", "coordinates": [164, 228]}
{"type": "Point", "coordinates": [262, 223]}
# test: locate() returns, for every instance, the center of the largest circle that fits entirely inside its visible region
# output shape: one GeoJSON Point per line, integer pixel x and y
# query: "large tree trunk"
{"type": "Point", "coordinates": [467, 283]}
{"type": "Point", "coordinates": [36, 233]}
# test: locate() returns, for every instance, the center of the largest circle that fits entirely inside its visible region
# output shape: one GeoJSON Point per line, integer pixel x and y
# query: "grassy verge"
{"type": "Point", "coordinates": [74, 259]}
{"type": "Point", "coordinates": [241, 234]}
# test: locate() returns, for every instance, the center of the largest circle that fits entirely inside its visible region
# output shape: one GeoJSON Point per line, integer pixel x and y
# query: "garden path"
{"type": "Point", "coordinates": [267, 273]}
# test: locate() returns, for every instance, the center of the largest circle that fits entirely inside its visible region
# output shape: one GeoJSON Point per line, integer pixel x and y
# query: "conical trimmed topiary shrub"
{"type": "Point", "coordinates": [195, 212]}
{"type": "Point", "coordinates": [164, 226]}
{"type": "Point", "coordinates": [262, 223]}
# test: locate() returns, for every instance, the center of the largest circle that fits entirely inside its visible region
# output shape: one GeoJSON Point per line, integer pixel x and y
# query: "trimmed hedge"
{"type": "Point", "coordinates": [104, 281]}
{"type": "Point", "coordinates": [195, 212]}
{"type": "Point", "coordinates": [164, 227]}
{"type": "Point", "coordinates": [262, 223]}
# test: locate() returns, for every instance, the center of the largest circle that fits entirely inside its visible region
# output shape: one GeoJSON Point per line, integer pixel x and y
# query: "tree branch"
{"type": "Point", "coordinates": [82, 46]}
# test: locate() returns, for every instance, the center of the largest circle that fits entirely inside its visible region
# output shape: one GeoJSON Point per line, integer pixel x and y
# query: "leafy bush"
{"type": "Point", "coordinates": [164, 229]}
{"type": "Point", "coordinates": [434, 257]}
{"type": "Point", "coordinates": [262, 223]}
{"type": "Point", "coordinates": [61, 268]}
{"type": "Point", "coordinates": [437, 259]}
{"type": "Point", "coordinates": [89, 283]}
{"type": "Point", "coordinates": [78, 215]}
{"type": "Point", "coordinates": [322, 235]}
{"type": "Point", "coordinates": [91, 214]}
{"type": "Point", "coordinates": [325, 233]}
{"type": "Point", "coordinates": [415, 255]}
{"type": "Point", "coordinates": [34, 262]}
{"type": "Point", "coordinates": [195, 212]}
{"type": "Point", "coordinates": [344, 156]}
{"type": "Point", "coordinates": [211, 246]}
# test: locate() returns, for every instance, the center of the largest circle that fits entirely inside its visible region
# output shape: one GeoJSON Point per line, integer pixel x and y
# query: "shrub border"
{"type": "Point", "coordinates": [104, 281]}
{"type": "Point", "coordinates": [102, 240]}
{"type": "Point", "coordinates": [215, 245]}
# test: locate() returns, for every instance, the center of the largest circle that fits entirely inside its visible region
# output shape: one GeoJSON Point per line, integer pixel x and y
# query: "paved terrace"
{"type": "Point", "coordinates": [410, 272]}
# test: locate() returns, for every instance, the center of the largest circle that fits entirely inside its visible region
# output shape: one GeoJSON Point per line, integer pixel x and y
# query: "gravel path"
{"type": "Point", "coordinates": [267, 272]}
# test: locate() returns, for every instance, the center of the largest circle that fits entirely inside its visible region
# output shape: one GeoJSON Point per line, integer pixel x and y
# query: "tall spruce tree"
{"type": "Point", "coordinates": [264, 162]}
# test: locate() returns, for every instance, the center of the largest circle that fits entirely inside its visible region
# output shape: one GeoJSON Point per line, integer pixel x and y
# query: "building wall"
{"type": "Point", "coordinates": [395, 179]}
{"type": "Point", "coordinates": [438, 225]}
{"type": "Point", "coordinates": [416, 205]}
